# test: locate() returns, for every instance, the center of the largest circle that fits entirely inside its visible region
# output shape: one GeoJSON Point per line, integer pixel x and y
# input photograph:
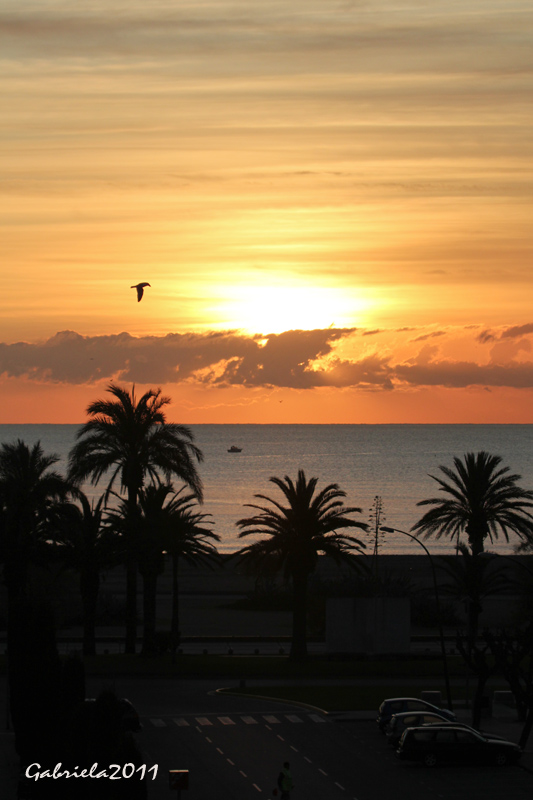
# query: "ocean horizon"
{"type": "Point", "coordinates": [391, 460]}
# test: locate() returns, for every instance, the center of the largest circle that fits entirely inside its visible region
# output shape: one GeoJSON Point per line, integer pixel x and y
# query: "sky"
{"type": "Point", "coordinates": [331, 201]}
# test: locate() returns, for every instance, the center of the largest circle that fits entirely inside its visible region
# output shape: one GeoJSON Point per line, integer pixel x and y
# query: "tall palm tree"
{"type": "Point", "coordinates": [30, 491]}
{"type": "Point", "coordinates": [132, 439]}
{"type": "Point", "coordinates": [187, 538]}
{"type": "Point", "coordinates": [88, 546]}
{"type": "Point", "coordinates": [472, 578]}
{"type": "Point", "coordinates": [167, 522]}
{"type": "Point", "coordinates": [482, 500]}
{"type": "Point", "coordinates": [298, 531]}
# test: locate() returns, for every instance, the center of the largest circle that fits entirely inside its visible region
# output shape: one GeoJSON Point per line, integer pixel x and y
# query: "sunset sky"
{"type": "Point", "coordinates": [332, 202]}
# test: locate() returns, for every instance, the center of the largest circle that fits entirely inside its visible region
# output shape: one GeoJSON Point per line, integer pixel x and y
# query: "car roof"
{"type": "Point", "coordinates": [437, 713]}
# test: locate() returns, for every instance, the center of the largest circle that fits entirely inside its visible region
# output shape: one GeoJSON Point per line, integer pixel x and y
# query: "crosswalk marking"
{"type": "Point", "coordinates": [246, 719]}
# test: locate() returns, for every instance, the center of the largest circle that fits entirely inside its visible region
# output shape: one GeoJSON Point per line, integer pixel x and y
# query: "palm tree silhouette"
{"type": "Point", "coordinates": [30, 492]}
{"type": "Point", "coordinates": [187, 538]}
{"type": "Point", "coordinates": [88, 546]}
{"type": "Point", "coordinates": [160, 527]}
{"type": "Point", "coordinates": [132, 439]}
{"type": "Point", "coordinates": [297, 533]}
{"type": "Point", "coordinates": [483, 500]}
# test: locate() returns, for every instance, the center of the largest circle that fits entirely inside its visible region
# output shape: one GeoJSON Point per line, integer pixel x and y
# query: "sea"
{"type": "Point", "coordinates": [393, 462]}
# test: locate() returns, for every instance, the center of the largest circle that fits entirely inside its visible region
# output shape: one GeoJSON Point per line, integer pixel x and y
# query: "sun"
{"type": "Point", "coordinates": [278, 308]}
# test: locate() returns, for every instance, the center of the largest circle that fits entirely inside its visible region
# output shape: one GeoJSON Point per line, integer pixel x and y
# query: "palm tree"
{"type": "Point", "coordinates": [132, 439]}
{"type": "Point", "coordinates": [483, 500]}
{"type": "Point", "coordinates": [88, 546]}
{"type": "Point", "coordinates": [297, 533]}
{"type": "Point", "coordinates": [173, 527]}
{"type": "Point", "coordinates": [30, 491]}
{"type": "Point", "coordinates": [187, 538]}
{"type": "Point", "coordinates": [473, 577]}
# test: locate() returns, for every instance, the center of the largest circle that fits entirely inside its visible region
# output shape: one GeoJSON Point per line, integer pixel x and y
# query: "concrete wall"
{"type": "Point", "coordinates": [368, 625]}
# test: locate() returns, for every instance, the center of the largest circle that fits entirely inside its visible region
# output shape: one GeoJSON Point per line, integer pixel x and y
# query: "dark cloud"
{"type": "Point", "coordinates": [432, 335]}
{"type": "Point", "coordinates": [513, 332]}
{"type": "Point", "coordinates": [372, 333]}
{"type": "Point", "coordinates": [486, 336]}
{"type": "Point", "coordinates": [517, 330]}
{"type": "Point", "coordinates": [460, 374]}
{"type": "Point", "coordinates": [293, 359]}
{"type": "Point", "coordinates": [219, 357]}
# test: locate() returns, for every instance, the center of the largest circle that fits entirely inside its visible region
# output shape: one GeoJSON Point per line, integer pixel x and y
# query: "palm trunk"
{"type": "Point", "coordinates": [131, 605]}
{"type": "Point", "coordinates": [299, 616]}
{"type": "Point", "coordinates": [131, 578]}
{"type": "Point", "coordinates": [175, 624]}
{"type": "Point", "coordinates": [149, 611]}
{"type": "Point", "coordinates": [89, 586]}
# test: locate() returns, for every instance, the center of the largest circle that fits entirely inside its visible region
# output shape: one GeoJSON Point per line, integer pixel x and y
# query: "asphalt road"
{"type": "Point", "coordinates": [233, 748]}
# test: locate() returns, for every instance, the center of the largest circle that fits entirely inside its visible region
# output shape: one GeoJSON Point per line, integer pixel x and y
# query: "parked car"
{"type": "Point", "coordinates": [437, 744]}
{"type": "Point", "coordinates": [410, 719]}
{"type": "Point", "coordinates": [398, 705]}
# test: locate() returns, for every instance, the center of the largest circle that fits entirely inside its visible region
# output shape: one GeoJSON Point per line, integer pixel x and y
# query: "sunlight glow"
{"type": "Point", "coordinates": [277, 308]}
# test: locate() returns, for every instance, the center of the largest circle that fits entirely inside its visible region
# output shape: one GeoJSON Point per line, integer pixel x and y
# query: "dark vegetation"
{"type": "Point", "coordinates": [49, 528]}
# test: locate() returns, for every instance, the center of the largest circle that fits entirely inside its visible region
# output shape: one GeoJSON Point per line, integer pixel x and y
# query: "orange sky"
{"type": "Point", "coordinates": [358, 174]}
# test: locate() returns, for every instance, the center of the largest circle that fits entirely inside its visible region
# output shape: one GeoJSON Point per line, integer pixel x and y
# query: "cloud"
{"type": "Point", "coordinates": [460, 374]}
{"type": "Point", "coordinates": [433, 334]}
{"type": "Point", "coordinates": [513, 332]}
{"type": "Point", "coordinates": [295, 359]}
{"type": "Point", "coordinates": [517, 330]}
{"type": "Point", "coordinates": [221, 358]}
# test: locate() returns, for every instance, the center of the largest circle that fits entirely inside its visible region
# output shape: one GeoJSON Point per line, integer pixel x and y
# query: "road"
{"type": "Point", "coordinates": [234, 747]}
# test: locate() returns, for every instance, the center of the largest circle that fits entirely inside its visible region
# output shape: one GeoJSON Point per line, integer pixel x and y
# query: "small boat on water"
{"type": "Point", "coordinates": [234, 449]}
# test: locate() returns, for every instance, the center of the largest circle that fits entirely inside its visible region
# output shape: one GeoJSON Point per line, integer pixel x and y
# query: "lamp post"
{"type": "Point", "coordinates": [437, 603]}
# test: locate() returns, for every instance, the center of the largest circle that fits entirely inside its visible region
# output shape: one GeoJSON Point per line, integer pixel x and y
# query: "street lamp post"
{"type": "Point", "coordinates": [437, 603]}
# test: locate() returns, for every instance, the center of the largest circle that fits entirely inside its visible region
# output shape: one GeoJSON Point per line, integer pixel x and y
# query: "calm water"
{"type": "Point", "coordinates": [365, 460]}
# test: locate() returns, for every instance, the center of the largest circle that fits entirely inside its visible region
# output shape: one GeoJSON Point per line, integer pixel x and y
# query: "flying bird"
{"type": "Point", "coordinates": [140, 290]}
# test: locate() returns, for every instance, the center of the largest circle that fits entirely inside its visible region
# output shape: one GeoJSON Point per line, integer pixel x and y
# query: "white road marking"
{"type": "Point", "coordinates": [226, 720]}
{"type": "Point", "coordinates": [256, 787]}
{"type": "Point", "coordinates": [203, 721]}
{"type": "Point", "coordinates": [316, 718]}
{"type": "Point", "coordinates": [322, 771]}
{"type": "Point", "coordinates": [293, 718]}
{"type": "Point", "coordinates": [340, 787]}
{"type": "Point", "coordinates": [250, 721]}
{"type": "Point", "coordinates": [294, 748]}
{"type": "Point", "coordinates": [158, 723]}
{"type": "Point", "coordinates": [271, 719]}
{"type": "Point", "coordinates": [244, 775]}
{"type": "Point", "coordinates": [308, 760]}
{"type": "Point", "coordinates": [281, 738]}
{"type": "Point", "coordinates": [230, 762]}
{"type": "Point", "coordinates": [220, 751]}
{"type": "Point", "coordinates": [181, 722]}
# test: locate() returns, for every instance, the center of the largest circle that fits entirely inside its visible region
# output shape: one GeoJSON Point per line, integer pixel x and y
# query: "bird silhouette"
{"type": "Point", "coordinates": [140, 290]}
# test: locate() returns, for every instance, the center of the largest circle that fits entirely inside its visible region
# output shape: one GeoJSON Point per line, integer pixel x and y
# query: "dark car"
{"type": "Point", "coordinates": [435, 744]}
{"type": "Point", "coordinates": [410, 719]}
{"type": "Point", "coordinates": [398, 705]}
